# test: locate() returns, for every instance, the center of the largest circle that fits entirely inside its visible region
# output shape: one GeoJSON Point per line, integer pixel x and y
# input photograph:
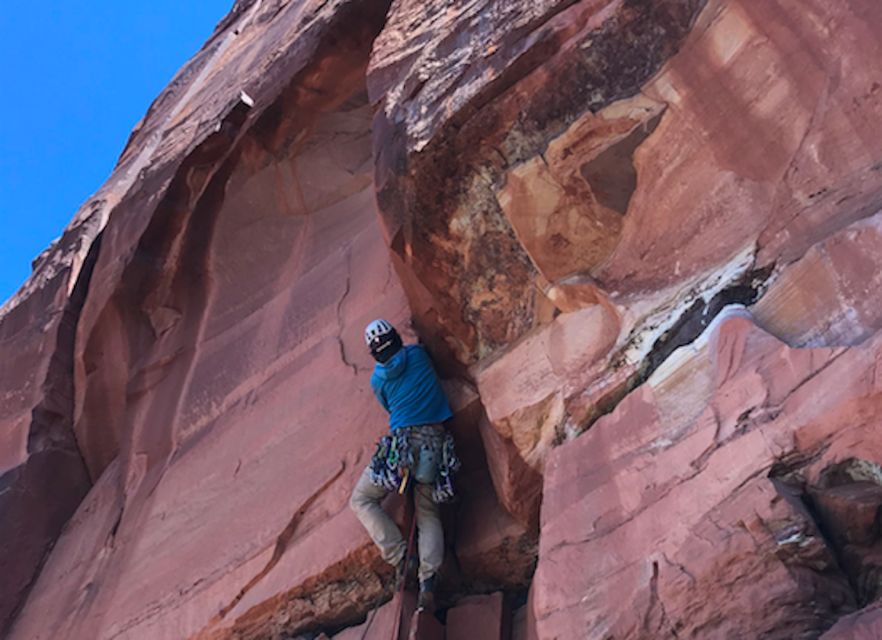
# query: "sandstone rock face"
{"type": "Point", "coordinates": [217, 383]}
{"type": "Point", "coordinates": [384, 622]}
{"type": "Point", "coordinates": [641, 241]}
{"type": "Point", "coordinates": [219, 308]}
{"type": "Point", "coordinates": [864, 625]}
{"type": "Point", "coordinates": [698, 493]}
{"type": "Point", "coordinates": [828, 296]}
{"type": "Point", "coordinates": [42, 476]}
{"type": "Point", "coordinates": [479, 617]}
{"type": "Point", "coordinates": [446, 141]}
{"type": "Point", "coordinates": [641, 166]}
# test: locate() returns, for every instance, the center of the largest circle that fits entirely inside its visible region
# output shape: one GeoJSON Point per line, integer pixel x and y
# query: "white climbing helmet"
{"type": "Point", "coordinates": [377, 329]}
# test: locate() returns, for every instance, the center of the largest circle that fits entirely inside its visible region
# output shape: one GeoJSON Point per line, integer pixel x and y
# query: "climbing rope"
{"type": "Point", "coordinates": [370, 621]}
{"type": "Point", "coordinates": [397, 628]}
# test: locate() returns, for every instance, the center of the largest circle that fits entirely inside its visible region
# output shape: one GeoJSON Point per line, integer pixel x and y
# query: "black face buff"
{"type": "Point", "coordinates": [384, 347]}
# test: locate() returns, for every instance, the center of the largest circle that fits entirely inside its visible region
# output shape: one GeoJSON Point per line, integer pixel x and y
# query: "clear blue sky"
{"type": "Point", "coordinates": [77, 76]}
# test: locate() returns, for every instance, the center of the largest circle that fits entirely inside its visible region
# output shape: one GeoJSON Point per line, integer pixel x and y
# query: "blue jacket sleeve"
{"type": "Point", "coordinates": [377, 386]}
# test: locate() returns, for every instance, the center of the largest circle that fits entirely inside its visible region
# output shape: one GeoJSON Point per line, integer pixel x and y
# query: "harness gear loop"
{"type": "Point", "coordinates": [402, 451]}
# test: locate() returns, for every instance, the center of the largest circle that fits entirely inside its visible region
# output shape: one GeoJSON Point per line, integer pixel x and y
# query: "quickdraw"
{"type": "Point", "coordinates": [444, 491]}
{"type": "Point", "coordinates": [395, 453]}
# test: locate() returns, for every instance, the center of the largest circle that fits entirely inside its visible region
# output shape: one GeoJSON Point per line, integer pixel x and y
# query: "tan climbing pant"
{"type": "Point", "coordinates": [365, 502]}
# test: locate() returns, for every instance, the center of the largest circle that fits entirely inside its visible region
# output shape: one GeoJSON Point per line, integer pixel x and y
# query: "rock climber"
{"type": "Point", "coordinates": [418, 448]}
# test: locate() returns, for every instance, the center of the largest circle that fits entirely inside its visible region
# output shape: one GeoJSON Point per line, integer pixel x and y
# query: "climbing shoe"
{"type": "Point", "coordinates": [426, 600]}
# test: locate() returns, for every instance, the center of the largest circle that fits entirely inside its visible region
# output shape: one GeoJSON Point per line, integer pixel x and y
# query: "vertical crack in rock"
{"type": "Point", "coordinates": [170, 255]}
{"type": "Point", "coordinates": [684, 330]}
{"type": "Point", "coordinates": [194, 289]}
{"type": "Point", "coordinates": [55, 470]}
{"type": "Point", "coordinates": [655, 620]}
{"type": "Point", "coordinates": [844, 508]}
{"type": "Point", "coordinates": [343, 297]}
{"type": "Point", "coordinates": [52, 425]}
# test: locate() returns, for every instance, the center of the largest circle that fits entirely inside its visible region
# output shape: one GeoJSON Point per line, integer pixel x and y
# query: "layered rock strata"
{"type": "Point", "coordinates": [632, 163]}
{"type": "Point", "coordinates": [768, 424]}
{"type": "Point", "coordinates": [561, 196]}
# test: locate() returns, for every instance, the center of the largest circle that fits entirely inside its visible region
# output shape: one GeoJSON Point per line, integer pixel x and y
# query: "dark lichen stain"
{"type": "Point", "coordinates": [465, 161]}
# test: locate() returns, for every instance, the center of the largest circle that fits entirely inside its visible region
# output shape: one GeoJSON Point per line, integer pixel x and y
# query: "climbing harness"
{"type": "Point", "coordinates": [428, 454]}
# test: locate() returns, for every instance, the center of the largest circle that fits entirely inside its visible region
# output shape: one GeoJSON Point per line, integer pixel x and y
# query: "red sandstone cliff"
{"type": "Point", "coordinates": [643, 241]}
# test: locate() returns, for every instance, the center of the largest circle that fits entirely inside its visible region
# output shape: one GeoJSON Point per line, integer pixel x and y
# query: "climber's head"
{"type": "Point", "coordinates": [382, 339]}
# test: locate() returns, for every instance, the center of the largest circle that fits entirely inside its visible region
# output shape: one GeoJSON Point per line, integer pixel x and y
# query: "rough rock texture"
{"type": "Point", "coordinates": [42, 476]}
{"type": "Point", "coordinates": [523, 622]}
{"type": "Point", "coordinates": [639, 163]}
{"type": "Point", "coordinates": [485, 617]}
{"type": "Point", "coordinates": [219, 307]}
{"type": "Point", "coordinates": [384, 622]}
{"type": "Point", "coordinates": [425, 626]}
{"type": "Point", "coordinates": [688, 500]}
{"type": "Point", "coordinates": [558, 197]}
{"type": "Point", "coordinates": [864, 625]}
{"type": "Point", "coordinates": [828, 297]}
{"type": "Point", "coordinates": [206, 382]}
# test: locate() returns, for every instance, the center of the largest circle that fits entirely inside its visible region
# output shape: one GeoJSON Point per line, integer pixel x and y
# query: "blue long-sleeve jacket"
{"type": "Point", "coordinates": [409, 390]}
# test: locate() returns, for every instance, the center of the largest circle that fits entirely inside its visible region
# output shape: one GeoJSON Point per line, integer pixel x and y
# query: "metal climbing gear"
{"type": "Point", "coordinates": [427, 453]}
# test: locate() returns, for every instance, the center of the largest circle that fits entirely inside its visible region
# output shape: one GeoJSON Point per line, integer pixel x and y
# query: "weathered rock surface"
{"type": "Point", "coordinates": [523, 622]}
{"type": "Point", "coordinates": [828, 297]}
{"type": "Point", "coordinates": [219, 308]}
{"type": "Point", "coordinates": [638, 163]}
{"type": "Point", "coordinates": [216, 365]}
{"type": "Point", "coordinates": [560, 195]}
{"type": "Point", "coordinates": [42, 476]}
{"type": "Point", "coordinates": [450, 129]}
{"type": "Point", "coordinates": [863, 625]}
{"type": "Point", "coordinates": [693, 499]}
{"type": "Point", "coordinates": [385, 622]}
{"type": "Point", "coordinates": [485, 617]}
